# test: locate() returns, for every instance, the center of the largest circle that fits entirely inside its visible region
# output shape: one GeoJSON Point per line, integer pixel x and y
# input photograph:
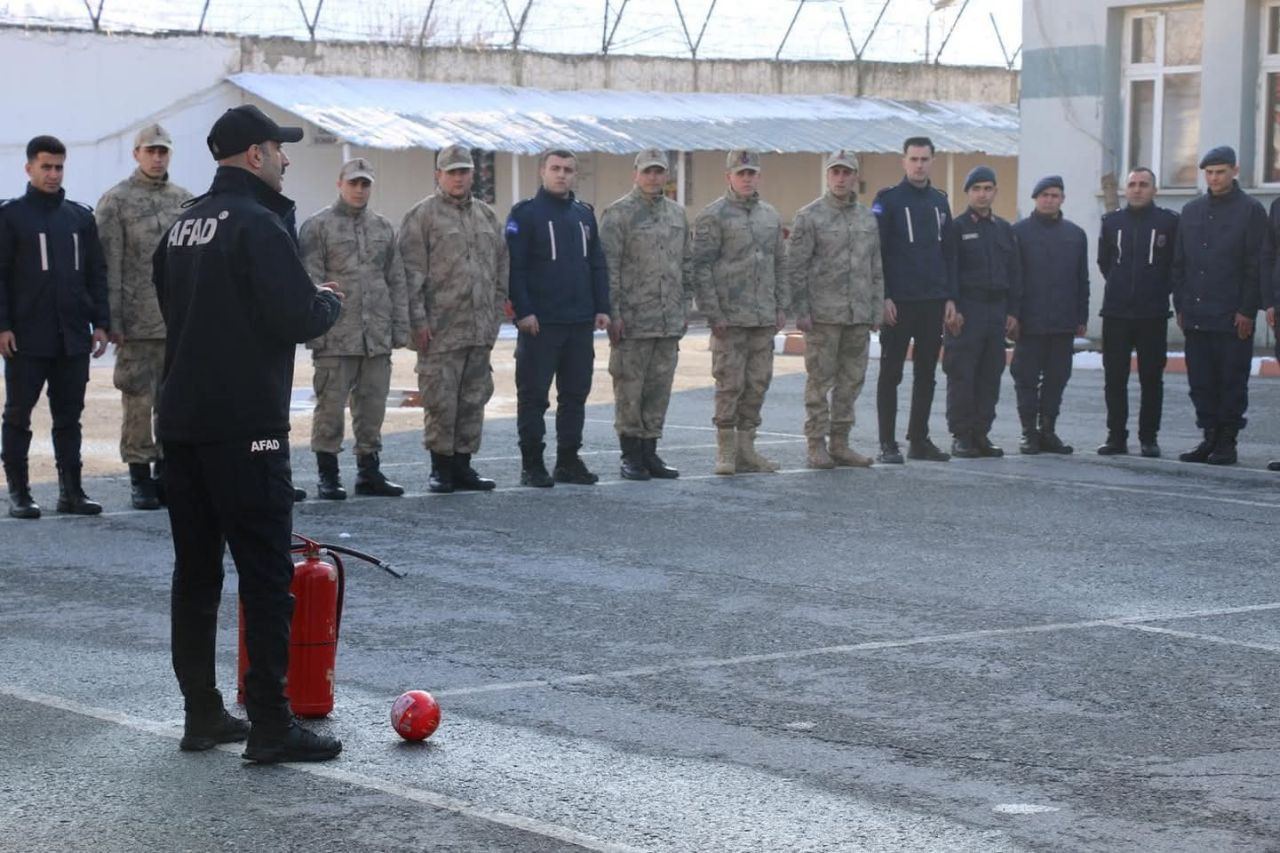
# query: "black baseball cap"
{"type": "Point", "coordinates": [245, 125]}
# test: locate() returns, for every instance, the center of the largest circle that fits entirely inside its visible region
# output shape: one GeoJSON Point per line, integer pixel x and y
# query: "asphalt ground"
{"type": "Point", "coordinates": [1044, 654]}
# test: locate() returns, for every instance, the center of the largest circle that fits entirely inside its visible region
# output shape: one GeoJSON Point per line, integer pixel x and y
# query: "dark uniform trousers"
{"type": "Point", "coordinates": [25, 377]}
{"type": "Point", "coordinates": [238, 494]}
{"type": "Point", "coordinates": [1218, 367]}
{"type": "Point", "coordinates": [1120, 337]}
{"type": "Point", "coordinates": [1040, 369]}
{"type": "Point", "coordinates": [565, 352]}
{"type": "Point", "coordinates": [921, 322]}
{"type": "Point", "coordinates": [974, 362]}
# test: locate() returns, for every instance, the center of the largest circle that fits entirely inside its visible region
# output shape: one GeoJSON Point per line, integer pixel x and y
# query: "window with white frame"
{"type": "Point", "coordinates": [1161, 92]}
{"type": "Point", "coordinates": [1270, 124]}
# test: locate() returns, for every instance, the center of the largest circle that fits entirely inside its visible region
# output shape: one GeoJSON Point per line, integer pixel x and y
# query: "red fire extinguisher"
{"type": "Point", "coordinates": [319, 583]}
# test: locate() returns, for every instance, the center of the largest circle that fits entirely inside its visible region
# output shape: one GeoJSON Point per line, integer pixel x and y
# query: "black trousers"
{"type": "Point", "coordinates": [974, 362]}
{"type": "Point", "coordinates": [921, 322]}
{"type": "Point", "coordinates": [24, 378]}
{"type": "Point", "coordinates": [238, 494]}
{"type": "Point", "coordinates": [1040, 369]}
{"type": "Point", "coordinates": [565, 352]}
{"type": "Point", "coordinates": [1120, 337]}
{"type": "Point", "coordinates": [1218, 368]}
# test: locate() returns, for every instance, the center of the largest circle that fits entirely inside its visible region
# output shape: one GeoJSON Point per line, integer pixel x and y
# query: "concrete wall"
{"type": "Point", "coordinates": [1072, 114]}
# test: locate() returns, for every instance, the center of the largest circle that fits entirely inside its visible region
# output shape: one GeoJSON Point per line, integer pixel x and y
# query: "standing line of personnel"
{"type": "Point", "coordinates": [930, 284]}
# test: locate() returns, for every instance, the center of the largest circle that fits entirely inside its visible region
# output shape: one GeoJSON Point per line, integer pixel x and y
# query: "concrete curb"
{"type": "Point", "coordinates": [792, 343]}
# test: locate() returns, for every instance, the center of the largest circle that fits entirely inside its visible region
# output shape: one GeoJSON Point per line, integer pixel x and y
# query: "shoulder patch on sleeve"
{"type": "Point", "coordinates": [876, 207]}
{"type": "Point", "coordinates": [513, 227]}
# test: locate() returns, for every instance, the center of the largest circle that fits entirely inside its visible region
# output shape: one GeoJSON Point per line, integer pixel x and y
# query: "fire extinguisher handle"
{"type": "Point", "coordinates": [368, 558]}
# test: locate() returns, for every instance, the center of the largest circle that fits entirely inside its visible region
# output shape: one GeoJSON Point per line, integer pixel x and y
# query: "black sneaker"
{"type": "Point", "coordinates": [1274, 466]}
{"type": "Point", "coordinates": [889, 453]}
{"type": "Point", "coordinates": [926, 450]}
{"type": "Point", "coordinates": [198, 735]}
{"type": "Point", "coordinates": [1115, 445]}
{"type": "Point", "coordinates": [1151, 450]}
{"type": "Point", "coordinates": [963, 447]}
{"type": "Point", "coordinates": [294, 744]}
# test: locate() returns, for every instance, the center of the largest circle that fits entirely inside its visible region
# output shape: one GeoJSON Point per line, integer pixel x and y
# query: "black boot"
{"type": "Point", "coordinates": [986, 449]}
{"type": "Point", "coordinates": [889, 453]}
{"type": "Point", "coordinates": [532, 470]}
{"type": "Point", "coordinates": [21, 504]}
{"type": "Point", "coordinates": [1224, 449]}
{"type": "Point", "coordinates": [1030, 444]}
{"type": "Point", "coordinates": [158, 479]}
{"type": "Point", "coordinates": [1273, 465]}
{"type": "Point", "coordinates": [330, 486]}
{"type": "Point", "coordinates": [71, 497]}
{"type": "Point", "coordinates": [143, 488]}
{"type": "Point", "coordinates": [441, 479]}
{"type": "Point", "coordinates": [963, 447]}
{"type": "Point", "coordinates": [657, 468]}
{"type": "Point", "coordinates": [1200, 453]}
{"type": "Point", "coordinates": [299, 495]}
{"type": "Point", "coordinates": [1149, 447]}
{"type": "Point", "coordinates": [465, 477]}
{"type": "Point", "coordinates": [571, 469]}
{"type": "Point", "coordinates": [371, 481]}
{"type": "Point", "coordinates": [633, 467]}
{"type": "Point", "coordinates": [1115, 445]}
{"type": "Point", "coordinates": [1049, 441]}
{"type": "Point", "coordinates": [924, 449]}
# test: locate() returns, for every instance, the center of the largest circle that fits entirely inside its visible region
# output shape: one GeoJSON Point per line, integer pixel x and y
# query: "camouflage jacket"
{"type": "Point", "coordinates": [455, 258]}
{"type": "Point", "coordinates": [357, 249]}
{"type": "Point", "coordinates": [648, 249]}
{"type": "Point", "coordinates": [132, 216]}
{"type": "Point", "coordinates": [738, 261]}
{"type": "Point", "coordinates": [833, 263]}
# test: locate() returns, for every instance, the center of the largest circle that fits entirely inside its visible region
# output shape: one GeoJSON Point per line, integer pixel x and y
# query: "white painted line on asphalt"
{"type": "Point", "coordinates": [874, 645]}
{"type": "Point", "coordinates": [426, 460]}
{"type": "Point", "coordinates": [1206, 638]}
{"type": "Point", "coordinates": [1106, 487]}
{"type": "Point", "coordinates": [337, 774]}
{"type": "Point", "coordinates": [704, 428]}
{"type": "Point", "coordinates": [1022, 808]}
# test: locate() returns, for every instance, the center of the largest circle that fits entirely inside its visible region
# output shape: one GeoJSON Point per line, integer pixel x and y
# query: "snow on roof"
{"type": "Point", "coordinates": [400, 114]}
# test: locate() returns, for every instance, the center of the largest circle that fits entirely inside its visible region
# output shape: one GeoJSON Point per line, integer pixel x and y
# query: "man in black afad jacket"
{"type": "Point", "coordinates": [236, 301]}
{"type": "Point", "coordinates": [53, 314]}
{"type": "Point", "coordinates": [560, 293]}
{"type": "Point", "coordinates": [1135, 255]}
{"type": "Point", "coordinates": [916, 243]}
{"type": "Point", "coordinates": [1054, 309]}
{"type": "Point", "coordinates": [1217, 286]}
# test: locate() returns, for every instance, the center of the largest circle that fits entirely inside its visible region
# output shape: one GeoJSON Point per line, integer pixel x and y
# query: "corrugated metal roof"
{"type": "Point", "coordinates": [399, 114]}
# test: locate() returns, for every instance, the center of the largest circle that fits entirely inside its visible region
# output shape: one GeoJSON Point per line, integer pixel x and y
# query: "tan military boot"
{"type": "Point", "coordinates": [818, 456]}
{"type": "Point", "coordinates": [725, 439]}
{"type": "Point", "coordinates": [750, 461]}
{"type": "Point", "coordinates": [844, 455]}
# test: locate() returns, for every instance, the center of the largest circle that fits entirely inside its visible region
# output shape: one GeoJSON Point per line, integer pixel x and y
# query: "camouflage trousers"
{"type": "Point", "coordinates": [642, 370]}
{"type": "Point", "coordinates": [455, 386]}
{"type": "Point", "coordinates": [139, 365]}
{"type": "Point", "coordinates": [742, 365]}
{"type": "Point", "coordinates": [361, 381]}
{"type": "Point", "coordinates": [835, 363]}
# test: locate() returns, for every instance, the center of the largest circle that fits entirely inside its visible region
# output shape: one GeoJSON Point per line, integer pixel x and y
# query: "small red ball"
{"type": "Point", "coordinates": [415, 715]}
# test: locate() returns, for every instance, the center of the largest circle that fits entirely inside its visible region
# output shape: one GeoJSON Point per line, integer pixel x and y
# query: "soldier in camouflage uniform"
{"type": "Point", "coordinates": [837, 293]}
{"type": "Point", "coordinates": [647, 247]}
{"type": "Point", "coordinates": [738, 258]}
{"type": "Point", "coordinates": [350, 244]}
{"type": "Point", "coordinates": [132, 216]}
{"type": "Point", "coordinates": [455, 259]}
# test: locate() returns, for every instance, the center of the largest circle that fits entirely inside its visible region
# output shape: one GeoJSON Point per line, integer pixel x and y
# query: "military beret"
{"type": "Point", "coordinates": [1047, 182]}
{"type": "Point", "coordinates": [978, 175]}
{"type": "Point", "coordinates": [1223, 155]}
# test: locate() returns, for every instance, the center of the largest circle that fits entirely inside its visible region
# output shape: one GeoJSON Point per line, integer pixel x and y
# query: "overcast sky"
{"type": "Point", "coordinates": [738, 28]}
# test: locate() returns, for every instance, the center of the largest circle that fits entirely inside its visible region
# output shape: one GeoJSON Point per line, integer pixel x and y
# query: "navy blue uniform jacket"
{"type": "Point", "coordinates": [987, 265]}
{"type": "Point", "coordinates": [236, 301]}
{"type": "Point", "coordinates": [558, 270]}
{"type": "Point", "coordinates": [1055, 275]}
{"type": "Point", "coordinates": [1135, 255]}
{"type": "Point", "coordinates": [916, 242]}
{"type": "Point", "coordinates": [53, 276]}
{"type": "Point", "coordinates": [1218, 260]}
